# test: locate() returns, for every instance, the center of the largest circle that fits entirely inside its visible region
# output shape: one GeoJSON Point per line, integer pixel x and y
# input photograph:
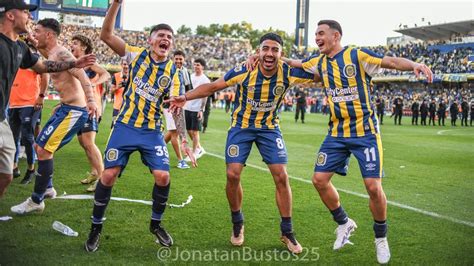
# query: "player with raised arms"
{"type": "Point", "coordinates": [138, 126]}
{"type": "Point", "coordinates": [259, 95]}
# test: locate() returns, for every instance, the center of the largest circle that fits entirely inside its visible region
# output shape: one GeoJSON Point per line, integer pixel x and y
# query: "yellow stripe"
{"type": "Point", "coordinates": [174, 91]}
{"type": "Point", "coordinates": [335, 121]}
{"type": "Point", "coordinates": [342, 105]}
{"type": "Point", "coordinates": [366, 92]}
{"type": "Point", "coordinates": [152, 110]}
{"type": "Point", "coordinates": [58, 134]}
{"type": "Point", "coordinates": [357, 105]}
{"type": "Point", "coordinates": [142, 101]}
{"type": "Point", "coordinates": [379, 147]}
{"type": "Point", "coordinates": [250, 95]}
{"type": "Point", "coordinates": [237, 110]}
{"type": "Point", "coordinates": [263, 99]}
{"type": "Point", "coordinates": [279, 82]}
{"type": "Point", "coordinates": [140, 73]}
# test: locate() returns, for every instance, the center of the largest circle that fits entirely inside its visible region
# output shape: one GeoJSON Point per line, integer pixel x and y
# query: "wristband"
{"type": "Point", "coordinates": [41, 95]}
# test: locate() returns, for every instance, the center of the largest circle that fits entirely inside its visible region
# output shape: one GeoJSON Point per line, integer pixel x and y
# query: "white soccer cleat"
{"type": "Point", "coordinates": [383, 251]}
{"type": "Point", "coordinates": [199, 153]}
{"type": "Point", "coordinates": [28, 206]}
{"type": "Point", "coordinates": [343, 232]}
{"type": "Point", "coordinates": [237, 240]}
{"type": "Point", "coordinates": [50, 193]}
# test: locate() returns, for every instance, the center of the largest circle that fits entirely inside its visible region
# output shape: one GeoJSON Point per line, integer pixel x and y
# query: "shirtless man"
{"type": "Point", "coordinates": [68, 118]}
{"type": "Point", "coordinates": [82, 45]}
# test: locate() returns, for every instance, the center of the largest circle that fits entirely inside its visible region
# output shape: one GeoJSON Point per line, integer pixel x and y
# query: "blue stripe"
{"type": "Point", "coordinates": [145, 78]}
{"type": "Point", "coordinates": [337, 109]}
{"type": "Point", "coordinates": [132, 73]}
{"type": "Point", "coordinates": [350, 105]}
{"type": "Point", "coordinates": [242, 104]}
{"type": "Point", "coordinates": [360, 86]}
{"type": "Point", "coordinates": [256, 97]}
{"type": "Point", "coordinates": [320, 72]}
{"type": "Point", "coordinates": [271, 98]}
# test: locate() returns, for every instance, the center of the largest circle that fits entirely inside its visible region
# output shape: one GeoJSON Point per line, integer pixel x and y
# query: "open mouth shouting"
{"type": "Point", "coordinates": [268, 61]}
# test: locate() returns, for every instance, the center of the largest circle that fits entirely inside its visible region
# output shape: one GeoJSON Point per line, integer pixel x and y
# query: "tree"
{"type": "Point", "coordinates": [184, 30]}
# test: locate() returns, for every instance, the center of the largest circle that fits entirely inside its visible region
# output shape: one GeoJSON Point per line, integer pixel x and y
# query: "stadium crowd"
{"type": "Point", "coordinates": [220, 52]}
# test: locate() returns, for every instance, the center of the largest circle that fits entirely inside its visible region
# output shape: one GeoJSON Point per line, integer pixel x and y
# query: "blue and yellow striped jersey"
{"type": "Point", "coordinates": [346, 78]}
{"type": "Point", "coordinates": [258, 98]}
{"type": "Point", "coordinates": [148, 84]}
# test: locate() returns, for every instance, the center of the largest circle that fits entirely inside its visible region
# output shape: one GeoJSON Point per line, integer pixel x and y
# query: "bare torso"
{"type": "Point", "coordinates": [69, 88]}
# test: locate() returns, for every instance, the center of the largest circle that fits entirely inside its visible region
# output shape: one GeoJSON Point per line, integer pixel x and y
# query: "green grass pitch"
{"type": "Point", "coordinates": [429, 172]}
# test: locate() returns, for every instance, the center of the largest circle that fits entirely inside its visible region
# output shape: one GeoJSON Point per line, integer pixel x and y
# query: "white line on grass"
{"type": "Point", "coordinates": [400, 205]}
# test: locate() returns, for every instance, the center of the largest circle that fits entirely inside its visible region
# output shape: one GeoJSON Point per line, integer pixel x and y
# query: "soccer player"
{"type": "Point", "coordinates": [67, 119]}
{"type": "Point", "coordinates": [119, 82]}
{"type": "Point", "coordinates": [259, 95]}
{"type": "Point", "coordinates": [15, 54]}
{"type": "Point", "coordinates": [82, 45]}
{"type": "Point", "coordinates": [26, 101]}
{"type": "Point", "coordinates": [138, 125]}
{"type": "Point", "coordinates": [353, 127]}
{"type": "Point", "coordinates": [193, 109]}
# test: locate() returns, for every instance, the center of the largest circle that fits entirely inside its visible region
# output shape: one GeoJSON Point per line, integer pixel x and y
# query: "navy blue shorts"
{"type": "Point", "coordinates": [61, 127]}
{"type": "Point", "coordinates": [91, 125]}
{"type": "Point", "coordinates": [125, 139]}
{"type": "Point", "coordinates": [334, 154]}
{"type": "Point", "coordinates": [269, 143]}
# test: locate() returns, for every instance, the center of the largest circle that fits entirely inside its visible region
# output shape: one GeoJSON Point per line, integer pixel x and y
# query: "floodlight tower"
{"type": "Point", "coordinates": [302, 24]}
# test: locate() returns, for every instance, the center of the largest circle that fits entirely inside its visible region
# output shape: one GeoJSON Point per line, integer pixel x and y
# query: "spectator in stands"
{"type": "Point", "coordinates": [432, 111]}
{"type": "Point", "coordinates": [441, 112]}
{"type": "Point", "coordinates": [424, 112]}
{"type": "Point", "coordinates": [454, 113]}
{"type": "Point", "coordinates": [415, 107]}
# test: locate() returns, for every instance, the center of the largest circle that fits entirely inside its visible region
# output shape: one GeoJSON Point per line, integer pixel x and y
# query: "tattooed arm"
{"type": "Point", "coordinates": [49, 66]}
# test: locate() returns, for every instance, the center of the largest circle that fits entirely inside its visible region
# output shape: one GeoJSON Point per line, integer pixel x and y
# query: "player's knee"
{"type": "Point", "coordinates": [281, 180]}
{"type": "Point", "coordinates": [109, 176]}
{"type": "Point", "coordinates": [233, 176]}
{"type": "Point", "coordinates": [162, 178]}
{"type": "Point", "coordinates": [319, 182]}
{"type": "Point", "coordinates": [42, 153]}
{"type": "Point", "coordinates": [374, 190]}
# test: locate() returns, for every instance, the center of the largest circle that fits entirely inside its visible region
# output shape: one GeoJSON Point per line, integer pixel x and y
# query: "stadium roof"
{"type": "Point", "coordinates": [440, 31]}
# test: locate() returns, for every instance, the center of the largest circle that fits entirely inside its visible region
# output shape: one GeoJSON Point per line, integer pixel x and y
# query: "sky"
{"type": "Point", "coordinates": [364, 23]}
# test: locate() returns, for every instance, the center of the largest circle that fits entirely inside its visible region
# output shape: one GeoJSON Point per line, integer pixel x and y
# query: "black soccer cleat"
{"type": "Point", "coordinates": [92, 243]}
{"type": "Point", "coordinates": [16, 172]}
{"type": "Point", "coordinates": [28, 177]}
{"type": "Point", "coordinates": [162, 236]}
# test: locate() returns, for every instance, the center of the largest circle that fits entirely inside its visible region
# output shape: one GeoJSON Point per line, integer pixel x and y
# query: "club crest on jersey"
{"type": "Point", "coordinates": [321, 160]}
{"type": "Point", "coordinates": [164, 81]}
{"type": "Point", "coordinates": [278, 90]}
{"type": "Point", "coordinates": [251, 89]}
{"type": "Point", "coordinates": [111, 155]}
{"type": "Point", "coordinates": [233, 150]}
{"type": "Point", "coordinates": [349, 71]}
